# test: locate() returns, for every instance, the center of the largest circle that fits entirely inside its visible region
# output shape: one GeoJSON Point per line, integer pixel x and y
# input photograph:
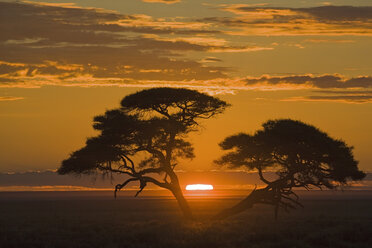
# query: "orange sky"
{"type": "Point", "coordinates": [62, 63]}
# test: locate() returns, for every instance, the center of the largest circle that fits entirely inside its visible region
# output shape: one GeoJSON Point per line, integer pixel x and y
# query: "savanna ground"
{"type": "Point", "coordinates": [95, 219]}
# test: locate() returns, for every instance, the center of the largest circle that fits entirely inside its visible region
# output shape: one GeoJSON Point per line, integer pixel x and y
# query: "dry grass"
{"type": "Point", "coordinates": [103, 222]}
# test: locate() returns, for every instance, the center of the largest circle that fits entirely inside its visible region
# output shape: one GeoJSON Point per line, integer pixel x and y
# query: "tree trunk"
{"type": "Point", "coordinates": [254, 197]}
{"type": "Point", "coordinates": [183, 204]}
{"type": "Point", "coordinates": [177, 192]}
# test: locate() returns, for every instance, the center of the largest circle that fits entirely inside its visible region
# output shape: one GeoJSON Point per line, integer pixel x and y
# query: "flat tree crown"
{"type": "Point", "coordinates": [151, 122]}
{"type": "Point", "coordinates": [298, 152]}
{"type": "Point", "coordinates": [179, 105]}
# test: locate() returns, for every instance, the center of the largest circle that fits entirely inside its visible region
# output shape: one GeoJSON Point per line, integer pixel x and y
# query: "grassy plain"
{"type": "Point", "coordinates": [95, 219]}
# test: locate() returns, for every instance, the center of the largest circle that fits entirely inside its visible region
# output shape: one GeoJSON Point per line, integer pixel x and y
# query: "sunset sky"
{"type": "Point", "coordinates": [63, 62]}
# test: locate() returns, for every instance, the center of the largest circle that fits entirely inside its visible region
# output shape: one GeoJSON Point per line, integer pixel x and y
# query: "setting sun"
{"type": "Point", "coordinates": [199, 187]}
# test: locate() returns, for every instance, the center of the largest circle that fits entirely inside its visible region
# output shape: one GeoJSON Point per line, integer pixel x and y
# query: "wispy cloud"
{"type": "Point", "coordinates": [211, 60]}
{"type": "Point", "coordinates": [68, 45]}
{"type": "Point", "coordinates": [239, 49]}
{"type": "Point", "coordinates": [311, 81]}
{"type": "Point", "coordinates": [343, 96]}
{"type": "Point", "coordinates": [328, 41]}
{"type": "Point", "coordinates": [10, 98]}
{"type": "Point", "coordinates": [25, 77]}
{"type": "Point", "coordinates": [342, 99]}
{"type": "Point", "coordinates": [51, 188]}
{"type": "Point", "coordinates": [323, 20]}
{"type": "Point", "coordinates": [51, 181]}
{"type": "Point", "coordinates": [162, 1]}
{"type": "Point", "coordinates": [65, 42]}
{"type": "Point", "coordinates": [55, 23]}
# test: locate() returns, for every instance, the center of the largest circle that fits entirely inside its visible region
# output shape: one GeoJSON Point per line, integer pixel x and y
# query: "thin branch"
{"type": "Point", "coordinates": [151, 170]}
{"type": "Point", "coordinates": [120, 186]}
{"type": "Point", "coordinates": [261, 175]}
{"type": "Point", "coordinates": [115, 170]}
{"type": "Point", "coordinates": [142, 186]}
{"type": "Point", "coordinates": [153, 151]}
{"type": "Point", "coordinates": [156, 182]}
{"type": "Point", "coordinates": [130, 161]}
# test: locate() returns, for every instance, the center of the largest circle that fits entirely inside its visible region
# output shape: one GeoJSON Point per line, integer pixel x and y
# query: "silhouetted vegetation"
{"type": "Point", "coordinates": [151, 124]}
{"type": "Point", "coordinates": [80, 221]}
{"type": "Point", "coordinates": [302, 156]}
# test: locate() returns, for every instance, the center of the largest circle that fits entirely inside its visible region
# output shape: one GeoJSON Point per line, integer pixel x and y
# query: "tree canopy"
{"type": "Point", "coordinates": [299, 153]}
{"type": "Point", "coordinates": [151, 124]}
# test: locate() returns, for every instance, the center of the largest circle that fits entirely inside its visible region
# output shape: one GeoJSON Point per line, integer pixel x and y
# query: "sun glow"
{"type": "Point", "coordinates": [199, 187]}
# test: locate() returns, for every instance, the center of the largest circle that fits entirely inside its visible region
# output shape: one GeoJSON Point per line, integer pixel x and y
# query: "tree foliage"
{"type": "Point", "coordinates": [300, 154]}
{"type": "Point", "coordinates": [151, 124]}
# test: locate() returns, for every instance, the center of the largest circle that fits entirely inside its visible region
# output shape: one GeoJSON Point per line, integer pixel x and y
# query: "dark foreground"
{"type": "Point", "coordinates": [95, 219]}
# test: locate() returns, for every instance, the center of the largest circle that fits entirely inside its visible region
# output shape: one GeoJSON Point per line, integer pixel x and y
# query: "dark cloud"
{"type": "Point", "coordinates": [339, 13]}
{"type": "Point", "coordinates": [325, 13]}
{"type": "Point", "coordinates": [323, 20]}
{"type": "Point", "coordinates": [211, 59]}
{"type": "Point", "coordinates": [42, 25]}
{"type": "Point", "coordinates": [19, 21]}
{"type": "Point", "coordinates": [102, 62]}
{"type": "Point", "coordinates": [338, 92]}
{"type": "Point", "coordinates": [45, 43]}
{"type": "Point", "coordinates": [324, 81]}
{"type": "Point", "coordinates": [69, 41]}
{"type": "Point", "coordinates": [350, 96]}
{"type": "Point", "coordinates": [220, 179]}
{"type": "Point", "coordinates": [47, 178]}
{"type": "Point", "coordinates": [52, 178]}
{"type": "Point", "coordinates": [339, 95]}
{"type": "Point", "coordinates": [344, 98]}
{"type": "Point", "coordinates": [162, 1]}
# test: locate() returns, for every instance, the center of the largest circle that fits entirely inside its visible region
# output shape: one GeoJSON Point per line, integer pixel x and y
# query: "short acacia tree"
{"type": "Point", "coordinates": [150, 125]}
{"type": "Point", "coordinates": [301, 155]}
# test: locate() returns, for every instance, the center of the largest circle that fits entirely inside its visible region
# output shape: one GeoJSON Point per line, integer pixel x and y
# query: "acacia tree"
{"type": "Point", "coordinates": [151, 125]}
{"type": "Point", "coordinates": [302, 156]}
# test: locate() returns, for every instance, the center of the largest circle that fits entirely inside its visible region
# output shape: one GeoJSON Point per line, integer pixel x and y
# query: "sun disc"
{"type": "Point", "coordinates": [199, 187]}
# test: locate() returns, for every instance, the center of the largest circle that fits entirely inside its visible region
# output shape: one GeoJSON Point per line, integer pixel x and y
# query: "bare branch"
{"type": "Point", "coordinates": [261, 175]}
{"type": "Point", "coordinates": [120, 186]}
{"type": "Point", "coordinates": [142, 186]}
{"type": "Point", "coordinates": [102, 168]}
{"type": "Point", "coordinates": [156, 182]}
{"type": "Point", "coordinates": [130, 161]}
{"type": "Point", "coordinates": [151, 170]}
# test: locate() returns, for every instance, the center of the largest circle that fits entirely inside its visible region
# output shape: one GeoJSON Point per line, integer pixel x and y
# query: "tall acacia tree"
{"type": "Point", "coordinates": [152, 125]}
{"type": "Point", "coordinates": [302, 156]}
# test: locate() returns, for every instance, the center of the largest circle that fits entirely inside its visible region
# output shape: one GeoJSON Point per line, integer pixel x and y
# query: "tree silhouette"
{"type": "Point", "coordinates": [151, 125]}
{"type": "Point", "coordinates": [302, 155]}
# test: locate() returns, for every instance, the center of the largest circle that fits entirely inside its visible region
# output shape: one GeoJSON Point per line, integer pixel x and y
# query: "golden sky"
{"type": "Point", "coordinates": [62, 63]}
